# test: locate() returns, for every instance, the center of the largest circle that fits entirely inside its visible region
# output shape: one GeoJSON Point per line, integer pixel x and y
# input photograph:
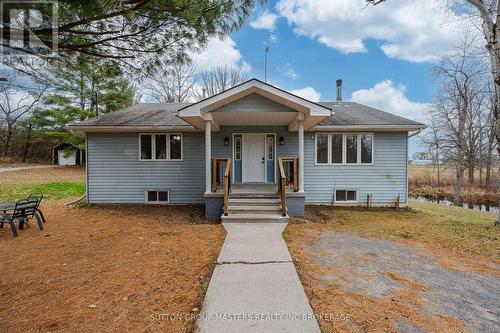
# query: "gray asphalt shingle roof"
{"type": "Point", "coordinates": [142, 114]}
{"type": "Point", "coordinates": [350, 113]}
{"type": "Point", "coordinates": [165, 114]}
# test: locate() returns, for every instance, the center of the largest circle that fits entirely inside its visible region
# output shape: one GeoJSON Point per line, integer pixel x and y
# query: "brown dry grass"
{"type": "Point", "coordinates": [44, 175]}
{"type": "Point", "coordinates": [422, 181]}
{"type": "Point", "coordinates": [107, 269]}
{"type": "Point", "coordinates": [459, 238]}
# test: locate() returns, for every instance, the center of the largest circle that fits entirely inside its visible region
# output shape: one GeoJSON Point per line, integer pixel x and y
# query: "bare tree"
{"type": "Point", "coordinates": [459, 101]}
{"type": "Point", "coordinates": [218, 79]}
{"type": "Point", "coordinates": [490, 134]}
{"type": "Point", "coordinates": [15, 104]}
{"type": "Point", "coordinates": [489, 12]}
{"type": "Point", "coordinates": [434, 140]}
{"type": "Point", "coordinates": [174, 83]}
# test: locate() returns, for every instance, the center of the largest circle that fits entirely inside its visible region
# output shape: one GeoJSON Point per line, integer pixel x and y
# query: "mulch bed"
{"type": "Point", "coordinates": [112, 268]}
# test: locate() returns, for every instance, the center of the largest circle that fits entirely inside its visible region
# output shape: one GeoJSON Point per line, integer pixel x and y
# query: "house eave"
{"type": "Point", "coordinates": [379, 128]}
{"type": "Point", "coordinates": [118, 129]}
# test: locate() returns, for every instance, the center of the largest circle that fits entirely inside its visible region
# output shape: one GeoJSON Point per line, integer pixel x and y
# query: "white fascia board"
{"type": "Point", "coordinates": [253, 86]}
{"type": "Point", "coordinates": [115, 129]}
{"type": "Point", "coordinates": [353, 128]}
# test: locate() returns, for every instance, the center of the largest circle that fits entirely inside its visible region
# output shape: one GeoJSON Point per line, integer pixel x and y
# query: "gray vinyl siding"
{"type": "Point", "coordinates": [116, 175]}
{"type": "Point", "coordinates": [384, 180]}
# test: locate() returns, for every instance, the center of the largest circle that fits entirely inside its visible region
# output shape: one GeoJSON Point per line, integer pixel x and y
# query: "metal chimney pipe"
{"type": "Point", "coordinates": [339, 91]}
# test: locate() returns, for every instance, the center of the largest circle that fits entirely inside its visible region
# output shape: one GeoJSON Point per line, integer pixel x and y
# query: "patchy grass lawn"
{"type": "Point", "coordinates": [53, 183]}
{"type": "Point", "coordinates": [107, 268]}
{"type": "Point", "coordinates": [388, 270]}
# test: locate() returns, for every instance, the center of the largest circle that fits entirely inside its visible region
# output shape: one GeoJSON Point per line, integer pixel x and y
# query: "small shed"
{"type": "Point", "coordinates": [67, 154]}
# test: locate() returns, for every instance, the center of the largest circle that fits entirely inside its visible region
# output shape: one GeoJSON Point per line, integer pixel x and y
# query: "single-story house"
{"type": "Point", "coordinates": [251, 152]}
{"type": "Point", "coordinates": [67, 154]}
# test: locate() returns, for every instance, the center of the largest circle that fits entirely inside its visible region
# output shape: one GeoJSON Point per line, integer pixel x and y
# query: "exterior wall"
{"type": "Point", "coordinates": [384, 180]}
{"type": "Point", "coordinates": [116, 175]}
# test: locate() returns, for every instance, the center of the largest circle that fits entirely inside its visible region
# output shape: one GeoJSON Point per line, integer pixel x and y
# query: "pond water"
{"type": "Point", "coordinates": [445, 202]}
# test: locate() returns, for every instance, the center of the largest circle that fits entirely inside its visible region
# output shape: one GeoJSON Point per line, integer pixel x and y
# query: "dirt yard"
{"type": "Point", "coordinates": [107, 269]}
{"type": "Point", "coordinates": [428, 269]}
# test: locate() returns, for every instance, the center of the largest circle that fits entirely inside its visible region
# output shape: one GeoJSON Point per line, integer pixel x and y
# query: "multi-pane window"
{"type": "Point", "coordinates": [366, 148]}
{"type": "Point", "coordinates": [345, 195]}
{"type": "Point", "coordinates": [270, 147]}
{"type": "Point", "coordinates": [157, 196]}
{"type": "Point", "coordinates": [175, 147]}
{"type": "Point", "coordinates": [146, 147]}
{"type": "Point", "coordinates": [322, 148]}
{"type": "Point", "coordinates": [160, 147]}
{"type": "Point", "coordinates": [237, 148]}
{"type": "Point", "coordinates": [344, 148]}
{"type": "Point", "coordinates": [351, 148]}
{"type": "Point", "coordinates": [337, 148]}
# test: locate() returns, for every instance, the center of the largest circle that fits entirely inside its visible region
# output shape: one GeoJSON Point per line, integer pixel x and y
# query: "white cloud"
{"type": "Point", "coordinates": [220, 52]}
{"type": "Point", "coordinates": [308, 93]}
{"type": "Point", "coordinates": [417, 31]}
{"type": "Point", "coordinates": [290, 72]}
{"type": "Point", "coordinates": [389, 97]}
{"type": "Point", "coordinates": [266, 20]}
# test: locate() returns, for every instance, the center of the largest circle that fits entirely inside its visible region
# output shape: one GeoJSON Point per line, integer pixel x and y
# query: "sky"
{"type": "Point", "coordinates": [383, 54]}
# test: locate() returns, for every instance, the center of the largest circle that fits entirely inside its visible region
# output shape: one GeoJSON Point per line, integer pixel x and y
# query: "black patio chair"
{"type": "Point", "coordinates": [38, 198]}
{"type": "Point", "coordinates": [23, 211]}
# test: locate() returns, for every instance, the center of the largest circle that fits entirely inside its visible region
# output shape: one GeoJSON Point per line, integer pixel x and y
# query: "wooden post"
{"type": "Point", "coordinates": [397, 202]}
{"type": "Point", "coordinates": [295, 175]}
{"type": "Point", "coordinates": [214, 175]}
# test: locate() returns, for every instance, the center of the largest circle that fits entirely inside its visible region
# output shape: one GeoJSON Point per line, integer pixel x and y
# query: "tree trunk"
{"type": "Point", "coordinates": [27, 143]}
{"type": "Point", "coordinates": [439, 174]}
{"type": "Point", "coordinates": [6, 145]}
{"type": "Point", "coordinates": [458, 185]}
{"type": "Point", "coordinates": [470, 171]}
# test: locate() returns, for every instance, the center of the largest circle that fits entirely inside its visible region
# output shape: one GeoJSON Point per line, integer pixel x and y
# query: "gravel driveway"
{"type": "Point", "coordinates": [471, 297]}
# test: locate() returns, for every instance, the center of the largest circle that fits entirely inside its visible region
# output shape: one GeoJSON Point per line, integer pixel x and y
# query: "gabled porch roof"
{"type": "Point", "coordinates": [294, 109]}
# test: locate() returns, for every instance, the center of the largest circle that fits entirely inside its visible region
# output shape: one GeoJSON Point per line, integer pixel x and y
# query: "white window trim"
{"type": "Point", "coordinates": [345, 201]}
{"type": "Point", "coordinates": [153, 148]}
{"type": "Point", "coordinates": [156, 202]}
{"type": "Point", "coordinates": [344, 149]}
{"type": "Point", "coordinates": [240, 138]}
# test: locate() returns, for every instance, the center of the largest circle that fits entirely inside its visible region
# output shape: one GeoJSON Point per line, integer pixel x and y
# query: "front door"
{"type": "Point", "coordinates": [253, 159]}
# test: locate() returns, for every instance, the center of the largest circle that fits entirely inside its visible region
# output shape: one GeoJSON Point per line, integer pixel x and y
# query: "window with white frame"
{"type": "Point", "coordinates": [157, 196]}
{"type": "Point", "coordinates": [345, 196]}
{"type": "Point", "coordinates": [344, 148]}
{"type": "Point", "coordinates": [270, 147]}
{"type": "Point", "coordinates": [160, 147]}
{"type": "Point", "coordinates": [237, 148]}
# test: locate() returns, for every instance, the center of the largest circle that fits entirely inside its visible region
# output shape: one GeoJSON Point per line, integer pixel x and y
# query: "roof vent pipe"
{"type": "Point", "coordinates": [339, 91]}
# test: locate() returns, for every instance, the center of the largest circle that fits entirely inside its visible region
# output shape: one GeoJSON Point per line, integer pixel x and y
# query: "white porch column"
{"type": "Point", "coordinates": [208, 155]}
{"type": "Point", "coordinates": [301, 155]}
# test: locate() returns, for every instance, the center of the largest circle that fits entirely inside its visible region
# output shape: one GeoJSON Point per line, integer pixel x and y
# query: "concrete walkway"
{"type": "Point", "coordinates": [254, 287]}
